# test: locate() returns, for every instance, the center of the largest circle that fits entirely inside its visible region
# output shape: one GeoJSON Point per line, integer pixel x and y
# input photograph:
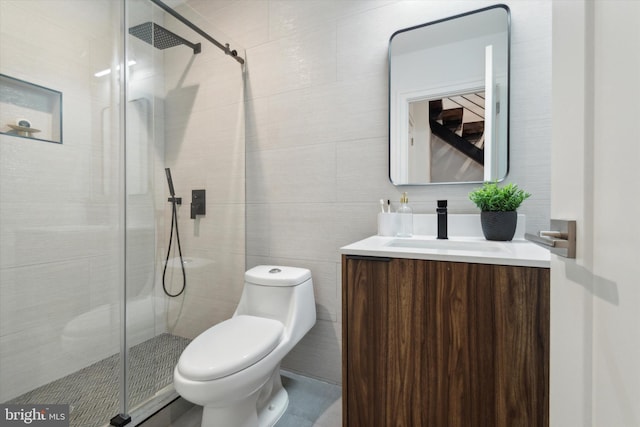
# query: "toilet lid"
{"type": "Point", "coordinates": [229, 347]}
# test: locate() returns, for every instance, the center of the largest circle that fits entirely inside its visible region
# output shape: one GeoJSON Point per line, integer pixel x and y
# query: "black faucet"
{"type": "Point", "coordinates": [442, 219]}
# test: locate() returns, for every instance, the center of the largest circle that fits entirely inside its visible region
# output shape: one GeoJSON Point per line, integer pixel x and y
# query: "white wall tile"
{"type": "Point", "coordinates": [290, 17]}
{"type": "Point", "coordinates": [245, 21]}
{"type": "Point", "coordinates": [304, 231]}
{"type": "Point", "coordinates": [213, 290]}
{"type": "Point", "coordinates": [359, 164]}
{"type": "Point", "coordinates": [258, 229]}
{"type": "Point", "coordinates": [329, 112]}
{"type": "Point", "coordinates": [292, 63]}
{"type": "Point", "coordinates": [257, 123]}
{"type": "Point", "coordinates": [318, 354]}
{"type": "Point", "coordinates": [289, 175]}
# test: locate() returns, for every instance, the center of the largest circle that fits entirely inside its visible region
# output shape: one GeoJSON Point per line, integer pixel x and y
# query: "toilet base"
{"type": "Point", "coordinates": [270, 415]}
{"type": "Point", "coordinates": [242, 414]}
{"type": "Point", "coordinates": [262, 409]}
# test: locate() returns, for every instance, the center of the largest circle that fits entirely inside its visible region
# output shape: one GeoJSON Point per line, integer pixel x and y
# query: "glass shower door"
{"type": "Point", "coordinates": [61, 207]}
{"type": "Point", "coordinates": [84, 216]}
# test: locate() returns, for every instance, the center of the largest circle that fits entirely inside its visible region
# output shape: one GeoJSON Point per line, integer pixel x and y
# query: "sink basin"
{"type": "Point", "coordinates": [451, 245]}
{"type": "Point", "coordinates": [473, 249]}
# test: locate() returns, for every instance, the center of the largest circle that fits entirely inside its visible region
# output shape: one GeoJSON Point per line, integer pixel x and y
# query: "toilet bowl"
{"type": "Point", "coordinates": [233, 368]}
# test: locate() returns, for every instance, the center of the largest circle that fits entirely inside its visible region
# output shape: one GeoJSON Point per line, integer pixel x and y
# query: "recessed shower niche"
{"type": "Point", "coordinates": [30, 111]}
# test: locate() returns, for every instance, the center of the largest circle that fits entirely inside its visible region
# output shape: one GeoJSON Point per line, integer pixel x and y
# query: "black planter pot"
{"type": "Point", "coordinates": [499, 226]}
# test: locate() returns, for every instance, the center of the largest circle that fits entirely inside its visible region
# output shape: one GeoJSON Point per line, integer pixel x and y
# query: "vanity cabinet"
{"type": "Point", "coordinates": [444, 344]}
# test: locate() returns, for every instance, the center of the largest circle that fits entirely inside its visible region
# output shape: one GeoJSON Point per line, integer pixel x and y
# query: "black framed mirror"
{"type": "Point", "coordinates": [449, 99]}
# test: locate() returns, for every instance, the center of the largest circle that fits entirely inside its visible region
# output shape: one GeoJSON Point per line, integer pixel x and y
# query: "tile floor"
{"type": "Point", "coordinates": [92, 393]}
{"type": "Point", "coordinates": [312, 403]}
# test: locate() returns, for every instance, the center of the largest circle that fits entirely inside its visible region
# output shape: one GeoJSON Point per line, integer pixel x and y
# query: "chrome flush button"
{"type": "Point", "coordinates": [275, 270]}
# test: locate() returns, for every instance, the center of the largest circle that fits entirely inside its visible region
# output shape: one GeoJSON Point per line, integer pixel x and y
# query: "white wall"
{"type": "Point", "coordinates": [316, 108]}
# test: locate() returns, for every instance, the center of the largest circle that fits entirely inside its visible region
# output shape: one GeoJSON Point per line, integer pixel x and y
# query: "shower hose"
{"type": "Point", "coordinates": [174, 220]}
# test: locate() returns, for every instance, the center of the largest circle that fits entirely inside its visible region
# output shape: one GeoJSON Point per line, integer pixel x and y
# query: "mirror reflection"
{"type": "Point", "coordinates": [449, 100]}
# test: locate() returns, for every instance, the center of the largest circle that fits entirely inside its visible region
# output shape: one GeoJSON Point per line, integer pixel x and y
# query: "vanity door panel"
{"type": "Point", "coordinates": [432, 343]}
{"type": "Point", "coordinates": [365, 333]}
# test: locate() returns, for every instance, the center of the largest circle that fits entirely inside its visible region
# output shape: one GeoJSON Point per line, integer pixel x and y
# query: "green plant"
{"type": "Point", "coordinates": [492, 198]}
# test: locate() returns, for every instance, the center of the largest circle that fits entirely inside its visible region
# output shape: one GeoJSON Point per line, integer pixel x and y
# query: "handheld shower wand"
{"type": "Point", "coordinates": [170, 182]}
{"type": "Point", "coordinates": [172, 191]}
{"type": "Point", "coordinates": [174, 220]}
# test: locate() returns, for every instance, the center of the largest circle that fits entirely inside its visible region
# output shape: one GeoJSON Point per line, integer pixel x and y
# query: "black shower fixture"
{"type": "Point", "coordinates": [224, 47]}
{"type": "Point", "coordinates": [161, 38]}
{"type": "Point", "coordinates": [175, 201]}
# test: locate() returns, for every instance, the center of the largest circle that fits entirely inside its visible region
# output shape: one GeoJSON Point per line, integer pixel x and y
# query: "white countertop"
{"type": "Point", "coordinates": [518, 252]}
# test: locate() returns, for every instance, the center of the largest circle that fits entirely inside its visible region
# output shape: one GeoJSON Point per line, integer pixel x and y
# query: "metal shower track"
{"type": "Point", "coordinates": [227, 50]}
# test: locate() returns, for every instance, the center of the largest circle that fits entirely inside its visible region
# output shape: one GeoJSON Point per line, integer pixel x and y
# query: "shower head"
{"type": "Point", "coordinates": [161, 38]}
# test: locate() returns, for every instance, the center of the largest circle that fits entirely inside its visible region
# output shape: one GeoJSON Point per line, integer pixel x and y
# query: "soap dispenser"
{"type": "Point", "coordinates": [405, 217]}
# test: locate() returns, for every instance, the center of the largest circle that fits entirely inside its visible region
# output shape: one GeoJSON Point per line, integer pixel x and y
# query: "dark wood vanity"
{"type": "Point", "coordinates": [444, 344]}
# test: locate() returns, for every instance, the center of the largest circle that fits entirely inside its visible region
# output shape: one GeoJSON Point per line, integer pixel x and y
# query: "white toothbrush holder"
{"type": "Point", "coordinates": [387, 223]}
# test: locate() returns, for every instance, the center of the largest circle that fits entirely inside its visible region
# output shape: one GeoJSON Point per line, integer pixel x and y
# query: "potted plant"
{"type": "Point", "coordinates": [498, 206]}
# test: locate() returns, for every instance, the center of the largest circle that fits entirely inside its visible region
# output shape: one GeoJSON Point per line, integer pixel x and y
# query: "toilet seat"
{"type": "Point", "coordinates": [229, 347]}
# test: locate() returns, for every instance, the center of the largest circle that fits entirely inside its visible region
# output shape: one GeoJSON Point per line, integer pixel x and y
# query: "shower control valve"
{"type": "Point", "coordinates": [198, 203]}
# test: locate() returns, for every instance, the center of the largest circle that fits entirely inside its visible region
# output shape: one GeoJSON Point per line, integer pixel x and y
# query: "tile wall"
{"type": "Point", "coordinates": [316, 133]}
{"type": "Point", "coordinates": [204, 132]}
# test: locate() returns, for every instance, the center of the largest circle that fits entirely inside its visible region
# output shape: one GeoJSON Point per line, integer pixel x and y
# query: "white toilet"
{"type": "Point", "coordinates": [233, 368]}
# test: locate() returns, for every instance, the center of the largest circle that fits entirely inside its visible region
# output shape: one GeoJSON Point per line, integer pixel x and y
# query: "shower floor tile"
{"type": "Point", "coordinates": [93, 393]}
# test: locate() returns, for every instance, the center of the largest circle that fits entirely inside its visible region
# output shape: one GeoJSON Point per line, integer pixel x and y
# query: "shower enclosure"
{"type": "Point", "coordinates": [97, 98]}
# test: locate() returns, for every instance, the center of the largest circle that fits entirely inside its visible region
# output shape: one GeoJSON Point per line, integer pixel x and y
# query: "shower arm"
{"type": "Point", "coordinates": [233, 53]}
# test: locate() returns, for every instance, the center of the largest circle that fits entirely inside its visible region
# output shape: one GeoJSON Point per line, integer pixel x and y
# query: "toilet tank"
{"type": "Point", "coordinates": [276, 275]}
{"type": "Point", "coordinates": [280, 293]}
